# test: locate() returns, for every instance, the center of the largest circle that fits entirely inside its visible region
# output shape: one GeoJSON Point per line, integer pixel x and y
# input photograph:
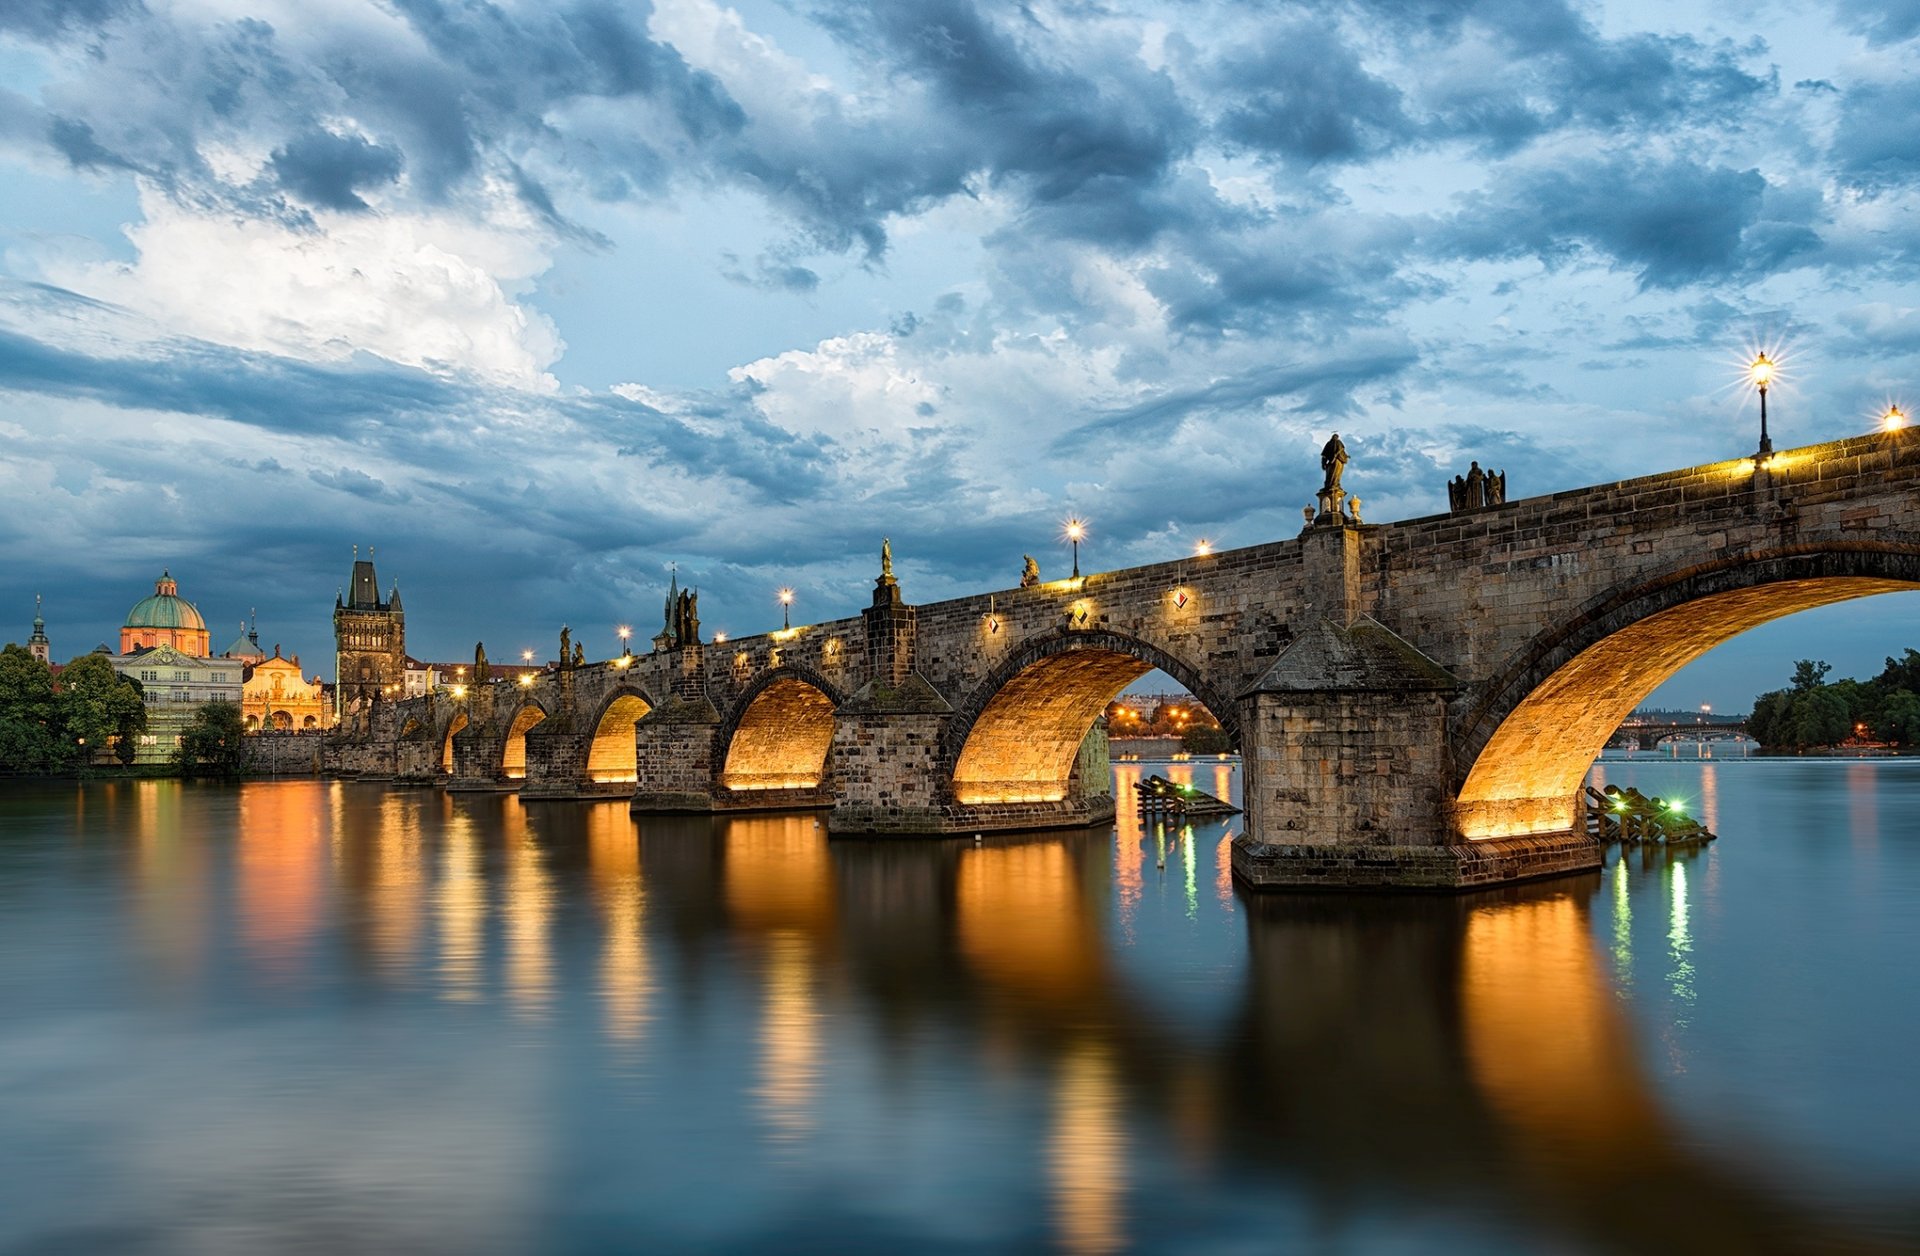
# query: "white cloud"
{"type": "Point", "coordinates": [427, 288]}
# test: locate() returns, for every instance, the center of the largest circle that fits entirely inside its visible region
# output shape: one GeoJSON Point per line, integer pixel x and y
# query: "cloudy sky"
{"type": "Point", "coordinates": [540, 296]}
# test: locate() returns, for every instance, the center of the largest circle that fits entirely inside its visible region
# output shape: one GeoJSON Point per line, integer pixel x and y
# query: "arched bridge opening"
{"type": "Point", "coordinates": [610, 756]}
{"type": "Point", "coordinates": [513, 752]}
{"type": "Point", "coordinates": [780, 734]}
{"type": "Point", "coordinates": [1525, 747]}
{"type": "Point", "coordinates": [454, 725]}
{"type": "Point", "coordinates": [1018, 739]}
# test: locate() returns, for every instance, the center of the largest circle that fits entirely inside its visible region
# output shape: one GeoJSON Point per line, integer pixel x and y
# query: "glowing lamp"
{"type": "Point", "coordinates": [526, 656]}
{"type": "Point", "coordinates": [1076, 531]}
{"type": "Point", "coordinates": [1761, 371]}
{"type": "Point", "coordinates": [1202, 547]}
{"type": "Point", "coordinates": [786, 604]}
{"type": "Point", "coordinates": [1894, 419]}
{"type": "Point", "coordinates": [719, 638]}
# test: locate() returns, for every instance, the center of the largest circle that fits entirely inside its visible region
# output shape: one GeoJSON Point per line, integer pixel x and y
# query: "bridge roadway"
{"type": "Point", "coordinates": [1416, 702]}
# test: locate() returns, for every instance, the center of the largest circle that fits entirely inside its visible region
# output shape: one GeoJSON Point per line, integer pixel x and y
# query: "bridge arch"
{"type": "Point", "coordinates": [513, 747]}
{"type": "Point", "coordinates": [1016, 736]}
{"type": "Point", "coordinates": [610, 753]}
{"type": "Point", "coordinates": [455, 722]}
{"type": "Point", "coordinates": [779, 731]}
{"type": "Point", "coordinates": [1522, 747]}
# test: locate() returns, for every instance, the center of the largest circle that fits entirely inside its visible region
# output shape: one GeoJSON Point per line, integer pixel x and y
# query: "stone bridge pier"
{"type": "Point", "coordinates": [1416, 703]}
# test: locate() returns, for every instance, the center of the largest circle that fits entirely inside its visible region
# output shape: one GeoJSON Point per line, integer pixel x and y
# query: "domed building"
{"type": "Point", "coordinates": [164, 645]}
{"type": "Point", "coordinates": [166, 618]}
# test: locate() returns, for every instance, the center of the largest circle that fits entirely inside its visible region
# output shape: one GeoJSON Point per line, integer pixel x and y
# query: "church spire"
{"type": "Point", "coordinates": [37, 644]}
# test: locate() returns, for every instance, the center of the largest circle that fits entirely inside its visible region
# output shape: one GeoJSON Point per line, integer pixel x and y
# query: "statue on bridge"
{"type": "Point", "coordinates": [566, 635]}
{"type": "Point", "coordinates": [579, 655]}
{"type": "Point", "coordinates": [481, 672]}
{"type": "Point", "coordinates": [1333, 461]}
{"type": "Point", "coordinates": [1476, 489]}
{"type": "Point", "coordinates": [1029, 572]}
{"type": "Point", "coordinates": [886, 558]}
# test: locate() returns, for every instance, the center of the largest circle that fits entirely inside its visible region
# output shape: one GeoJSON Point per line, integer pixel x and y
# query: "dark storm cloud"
{"type": "Point", "coordinates": [329, 170]}
{"type": "Point", "coordinates": [1324, 388]}
{"type": "Point", "coordinates": [51, 19]}
{"type": "Point", "coordinates": [1876, 144]}
{"type": "Point", "coordinates": [1301, 93]}
{"type": "Point", "coordinates": [1882, 21]}
{"type": "Point", "coordinates": [277, 394]}
{"type": "Point", "coordinates": [1672, 222]}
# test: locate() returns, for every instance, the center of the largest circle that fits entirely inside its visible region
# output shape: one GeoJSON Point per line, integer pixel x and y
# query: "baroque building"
{"type": "Point", "coordinates": [369, 640]}
{"type": "Point", "coordinates": [277, 696]}
{"type": "Point", "coordinates": [164, 644]}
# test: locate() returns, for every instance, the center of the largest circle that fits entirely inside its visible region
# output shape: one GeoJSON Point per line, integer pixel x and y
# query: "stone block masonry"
{"type": "Point", "coordinates": [1416, 702]}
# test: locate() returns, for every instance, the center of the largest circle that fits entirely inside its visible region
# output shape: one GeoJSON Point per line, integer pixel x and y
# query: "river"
{"type": "Point", "coordinates": [306, 1016]}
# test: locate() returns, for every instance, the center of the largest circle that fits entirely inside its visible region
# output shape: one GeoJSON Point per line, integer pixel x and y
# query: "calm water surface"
{"type": "Point", "coordinates": [315, 1017]}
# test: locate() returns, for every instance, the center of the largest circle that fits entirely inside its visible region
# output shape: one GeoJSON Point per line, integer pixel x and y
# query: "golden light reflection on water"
{"type": "Point", "coordinates": [460, 905]}
{"type": "Point", "coordinates": [393, 892]}
{"type": "Point", "coordinates": [778, 875]}
{"type": "Point", "coordinates": [789, 1041]}
{"type": "Point", "coordinates": [1129, 856]}
{"type": "Point", "coordinates": [527, 907]}
{"type": "Point", "coordinates": [1087, 1152]}
{"type": "Point", "coordinates": [1021, 922]}
{"type": "Point", "coordinates": [1544, 1038]}
{"type": "Point", "coordinates": [626, 978]}
{"type": "Point", "coordinates": [281, 872]}
{"type": "Point", "coordinates": [173, 875]}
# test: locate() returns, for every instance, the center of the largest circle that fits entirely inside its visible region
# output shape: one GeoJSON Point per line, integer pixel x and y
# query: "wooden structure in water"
{"type": "Point", "coordinates": [1160, 796]}
{"type": "Point", "coordinates": [1629, 816]}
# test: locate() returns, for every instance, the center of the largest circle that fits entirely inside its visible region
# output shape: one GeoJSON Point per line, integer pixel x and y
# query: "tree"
{"type": "Point", "coordinates": [215, 743]}
{"type": "Point", "coordinates": [1900, 717]}
{"type": "Point", "coordinates": [1205, 740]}
{"type": "Point", "coordinates": [1819, 718]}
{"type": "Point", "coordinates": [96, 704]}
{"type": "Point", "coordinates": [29, 733]}
{"type": "Point", "coordinates": [1808, 674]}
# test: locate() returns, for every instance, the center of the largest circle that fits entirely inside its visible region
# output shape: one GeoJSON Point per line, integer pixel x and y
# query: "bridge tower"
{"type": "Point", "coordinates": [369, 641]}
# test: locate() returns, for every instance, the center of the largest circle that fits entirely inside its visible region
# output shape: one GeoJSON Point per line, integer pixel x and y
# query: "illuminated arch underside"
{"type": "Point", "coordinates": [446, 747]}
{"type": "Point", "coordinates": [1527, 777]}
{"type": "Point", "coordinates": [782, 740]}
{"type": "Point", "coordinates": [513, 755]}
{"type": "Point", "coordinates": [611, 756]}
{"type": "Point", "coordinates": [1023, 746]}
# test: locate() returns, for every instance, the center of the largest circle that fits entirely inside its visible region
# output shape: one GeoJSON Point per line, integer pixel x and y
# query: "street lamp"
{"type": "Point", "coordinates": [625, 633]}
{"type": "Point", "coordinates": [1202, 547]}
{"type": "Point", "coordinates": [1894, 419]}
{"type": "Point", "coordinates": [526, 656]}
{"type": "Point", "coordinates": [1076, 528]}
{"type": "Point", "coordinates": [1760, 371]}
{"type": "Point", "coordinates": [786, 615]}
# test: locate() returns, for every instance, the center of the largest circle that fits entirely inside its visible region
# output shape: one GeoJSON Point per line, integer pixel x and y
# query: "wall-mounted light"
{"type": "Point", "coordinates": [1080, 612]}
{"type": "Point", "coordinates": [1180, 599]}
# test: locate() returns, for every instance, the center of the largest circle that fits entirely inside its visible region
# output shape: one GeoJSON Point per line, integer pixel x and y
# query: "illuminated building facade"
{"type": "Point", "coordinates": [369, 641]}
{"type": "Point", "coordinates": [166, 619]}
{"type": "Point", "coordinates": [277, 696]}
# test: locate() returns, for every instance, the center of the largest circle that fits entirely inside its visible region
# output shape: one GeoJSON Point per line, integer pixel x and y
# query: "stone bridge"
{"type": "Point", "coordinates": [1417, 703]}
{"type": "Point", "coordinates": [1650, 736]}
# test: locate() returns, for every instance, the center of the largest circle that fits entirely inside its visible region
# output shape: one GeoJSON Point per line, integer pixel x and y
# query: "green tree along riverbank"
{"type": "Point", "coordinates": [61, 724]}
{"type": "Point", "coordinates": [1812, 713]}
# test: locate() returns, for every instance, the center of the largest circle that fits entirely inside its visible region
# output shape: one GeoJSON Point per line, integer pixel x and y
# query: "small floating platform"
{"type": "Point", "coordinates": [1158, 795]}
{"type": "Point", "coordinates": [1631, 818]}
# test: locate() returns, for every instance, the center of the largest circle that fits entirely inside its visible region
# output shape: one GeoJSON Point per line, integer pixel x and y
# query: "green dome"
{"type": "Point", "coordinates": [165, 609]}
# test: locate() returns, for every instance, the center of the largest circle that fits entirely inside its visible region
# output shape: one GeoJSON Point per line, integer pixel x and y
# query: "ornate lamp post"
{"type": "Point", "coordinates": [1202, 547]}
{"type": "Point", "coordinates": [626, 633]}
{"type": "Point", "coordinates": [1076, 529]}
{"type": "Point", "coordinates": [1760, 371]}
{"type": "Point", "coordinates": [786, 604]}
{"type": "Point", "coordinates": [1894, 419]}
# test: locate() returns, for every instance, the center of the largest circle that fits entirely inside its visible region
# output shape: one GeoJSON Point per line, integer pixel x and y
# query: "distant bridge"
{"type": "Point", "coordinates": [1647, 735]}
{"type": "Point", "coordinates": [1417, 703]}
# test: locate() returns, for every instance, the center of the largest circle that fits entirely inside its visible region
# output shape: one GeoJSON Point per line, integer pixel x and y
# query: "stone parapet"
{"type": "Point", "coordinates": [1264, 865]}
